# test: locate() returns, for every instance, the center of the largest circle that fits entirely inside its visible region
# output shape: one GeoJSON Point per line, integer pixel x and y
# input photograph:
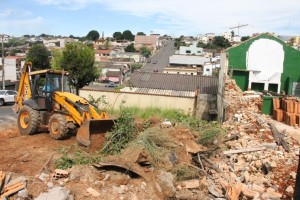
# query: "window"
{"type": "Point", "coordinates": [188, 51]}
{"type": "Point", "coordinates": [207, 70]}
{"type": "Point", "coordinates": [11, 92]}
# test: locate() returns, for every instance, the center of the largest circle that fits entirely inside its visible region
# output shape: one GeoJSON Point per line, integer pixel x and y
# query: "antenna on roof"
{"type": "Point", "coordinates": [238, 27]}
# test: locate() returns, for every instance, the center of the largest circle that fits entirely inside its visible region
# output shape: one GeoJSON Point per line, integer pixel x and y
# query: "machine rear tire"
{"type": "Point", "coordinates": [58, 126]}
{"type": "Point", "coordinates": [28, 120]}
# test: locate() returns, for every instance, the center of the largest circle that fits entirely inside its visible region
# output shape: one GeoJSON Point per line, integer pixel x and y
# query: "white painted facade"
{"type": "Point", "coordinates": [188, 60]}
{"type": "Point", "coordinates": [10, 69]}
{"type": "Point", "coordinates": [264, 61]}
{"type": "Point", "coordinates": [236, 38]}
{"type": "Point", "coordinates": [226, 35]}
{"type": "Point", "coordinates": [191, 50]}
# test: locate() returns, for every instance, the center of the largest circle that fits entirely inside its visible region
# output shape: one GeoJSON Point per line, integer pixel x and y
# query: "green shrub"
{"type": "Point", "coordinates": [72, 155]}
{"type": "Point", "coordinates": [123, 132]}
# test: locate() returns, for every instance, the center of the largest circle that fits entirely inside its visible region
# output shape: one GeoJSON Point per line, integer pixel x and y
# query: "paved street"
{"type": "Point", "coordinates": [7, 115]}
{"type": "Point", "coordinates": [162, 58]}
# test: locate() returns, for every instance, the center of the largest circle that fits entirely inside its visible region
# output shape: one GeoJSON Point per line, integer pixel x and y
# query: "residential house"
{"type": "Point", "coordinates": [188, 61]}
{"type": "Point", "coordinates": [227, 35]}
{"type": "Point", "coordinates": [12, 68]}
{"type": "Point", "coordinates": [181, 70]}
{"type": "Point", "coordinates": [264, 62]}
{"type": "Point", "coordinates": [205, 38]}
{"type": "Point", "coordinates": [236, 39]}
{"type": "Point", "coordinates": [190, 50]}
{"type": "Point", "coordinates": [132, 55]}
{"type": "Point", "coordinates": [149, 41]}
{"type": "Point", "coordinates": [104, 53]}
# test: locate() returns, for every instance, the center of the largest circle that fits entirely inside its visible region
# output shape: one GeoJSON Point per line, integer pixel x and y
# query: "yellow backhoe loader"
{"type": "Point", "coordinates": [44, 99]}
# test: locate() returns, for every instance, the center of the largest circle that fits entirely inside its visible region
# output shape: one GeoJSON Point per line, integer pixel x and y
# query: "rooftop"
{"type": "Point", "coordinates": [177, 82]}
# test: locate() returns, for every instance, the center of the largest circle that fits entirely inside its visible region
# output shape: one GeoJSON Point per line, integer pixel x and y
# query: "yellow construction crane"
{"type": "Point", "coordinates": [238, 27]}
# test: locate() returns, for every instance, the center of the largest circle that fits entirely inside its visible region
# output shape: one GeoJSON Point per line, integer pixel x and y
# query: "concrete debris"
{"type": "Point", "coordinates": [165, 182]}
{"type": "Point", "coordinates": [44, 177]}
{"type": "Point", "coordinates": [23, 193]}
{"type": "Point", "coordinates": [252, 159]}
{"type": "Point", "coordinates": [93, 192]}
{"type": "Point", "coordinates": [57, 193]}
{"type": "Point", "coordinates": [166, 124]}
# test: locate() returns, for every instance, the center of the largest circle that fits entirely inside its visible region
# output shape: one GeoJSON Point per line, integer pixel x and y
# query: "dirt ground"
{"type": "Point", "coordinates": [26, 156]}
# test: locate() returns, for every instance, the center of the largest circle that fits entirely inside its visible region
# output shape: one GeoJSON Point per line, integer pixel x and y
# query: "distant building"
{"type": "Point", "coordinates": [206, 38]}
{"type": "Point", "coordinates": [149, 41]}
{"type": "Point", "coordinates": [181, 70]}
{"type": "Point", "coordinates": [184, 60]}
{"type": "Point", "coordinates": [190, 50]}
{"type": "Point", "coordinates": [264, 62]}
{"type": "Point", "coordinates": [12, 66]}
{"type": "Point", "coordinates": [227, 35]}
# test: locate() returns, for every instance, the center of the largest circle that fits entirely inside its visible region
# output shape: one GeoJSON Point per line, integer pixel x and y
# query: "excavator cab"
{"type": "Point", "coordinates": [44, 99]}
{"type": "Point", "coordinates": [45, 83]}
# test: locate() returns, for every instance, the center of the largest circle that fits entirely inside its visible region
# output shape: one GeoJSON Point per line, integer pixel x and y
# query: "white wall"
{"type": "Point", "coordinates": [10, 69]}
{"type": "Point", "coordinates": [266, 56]}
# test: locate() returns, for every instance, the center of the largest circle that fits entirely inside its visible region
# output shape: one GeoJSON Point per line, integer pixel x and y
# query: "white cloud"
{"type": "Point", "coordinates": [6, 13]}
{"type": "Point", "coordinates": [21, 26]}
{"type": "Point", "coordinates": [198, 16]}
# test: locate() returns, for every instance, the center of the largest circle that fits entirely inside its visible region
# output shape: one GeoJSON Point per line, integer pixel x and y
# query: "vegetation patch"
{"type": "Point", "coordinates": [73, 155]}
{"type": "Point", "coordinates": [156, 142]}
{"type": "Point", "coordinates": [123, 132]}
{"type": "Point", "coordinates": [183, 172]}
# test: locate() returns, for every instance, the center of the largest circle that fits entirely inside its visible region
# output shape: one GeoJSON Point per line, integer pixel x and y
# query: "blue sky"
{"type": "Point", "coordinates": [172, 17]}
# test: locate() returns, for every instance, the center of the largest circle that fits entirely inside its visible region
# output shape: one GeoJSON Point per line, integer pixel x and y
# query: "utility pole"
{"type": "Point", "coordinates": [3, 71]}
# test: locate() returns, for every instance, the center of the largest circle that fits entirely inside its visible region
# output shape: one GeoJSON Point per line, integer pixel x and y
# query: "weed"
{"type": "Point", "coordinates": [183, 172]}
{"type": "Point", "coordinates": [156, 143]}
{"type": "Point", "coordinates": [100, 103]}
{"type": "Point", "coordinates": [123, 132]}
{"type": "Point", "coordinates": [73, 155]}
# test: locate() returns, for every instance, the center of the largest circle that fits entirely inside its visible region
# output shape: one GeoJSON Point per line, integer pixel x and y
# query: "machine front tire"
{"type": "Point", "coordinates": [58, 126]}
{"type": "Point", "coordinates": [28, 120]}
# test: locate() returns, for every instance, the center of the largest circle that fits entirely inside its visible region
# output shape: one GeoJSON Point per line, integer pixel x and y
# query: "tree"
{"type": "Point", "coordinates": [245, 38]}
{"type": "Point", "coordinates": [221, 42]}
{"type": "Point", "coordinates": [93, 35]}
{"type": "Point", "coordinates": [78, 59]}
{"type": "Point", "coordinates": [145, 51]}
{"type": "Point", "coordinates": [232, 33]}
{"type": "Point", "coordinates": [140, 33]}
{"type": "Point", "coordinates": [118, 36]}
{"type": "Point", "coordinates": [128, 35]}
{"type": "Point", "coordinates": [130, 48]}
{"type": "Point", "coordinates": [39, 56]}
{"type": "Point", "coordinates": [56, 59]}
{"type": "Point", "coordinates": [107, 43]}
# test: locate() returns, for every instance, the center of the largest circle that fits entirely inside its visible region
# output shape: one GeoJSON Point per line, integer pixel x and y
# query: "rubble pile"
{"type": "Point", "coordinates": [9, 186]}
{"type": "Point", "coordinates": [253, 165]}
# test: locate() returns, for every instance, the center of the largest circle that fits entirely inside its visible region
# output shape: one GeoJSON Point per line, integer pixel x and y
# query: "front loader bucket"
{"type": "Point", "coordinates": [92, 126]}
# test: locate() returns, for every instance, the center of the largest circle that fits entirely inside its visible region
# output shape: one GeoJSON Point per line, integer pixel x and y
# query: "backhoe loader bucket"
{"type": "Point", "coordinates": [93, 126]}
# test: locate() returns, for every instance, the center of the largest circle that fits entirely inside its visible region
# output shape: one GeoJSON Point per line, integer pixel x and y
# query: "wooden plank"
{"type": "Point", "coordinates": [244, 150]}
{"type": "Point", "coordinates": [279, 137]}
{"type": "Point", "coordinates": [2, 178]}
{"type": "Point", "coordinates": [12, 189]}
